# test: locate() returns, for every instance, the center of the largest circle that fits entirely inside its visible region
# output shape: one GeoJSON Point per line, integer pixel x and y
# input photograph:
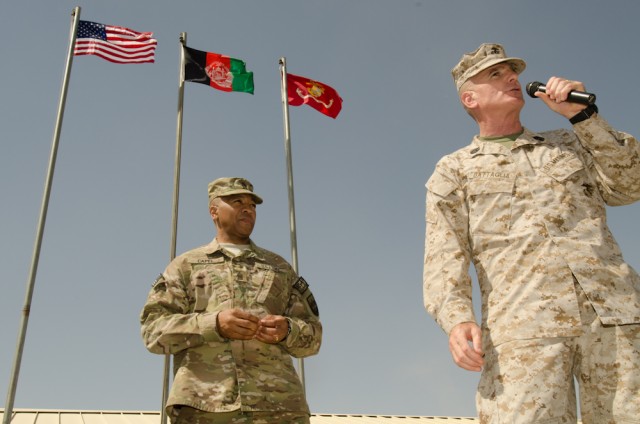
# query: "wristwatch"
{"type": "Point", "coordinates": [584, 114]}
{"type": "Point", "coordinates": [288, 331]}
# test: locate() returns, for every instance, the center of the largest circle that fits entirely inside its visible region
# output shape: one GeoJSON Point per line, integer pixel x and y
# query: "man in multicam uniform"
{"type": "Point", "coordinates": [233, 314]}
{"type": "Point", "coordinates": [528, 209]}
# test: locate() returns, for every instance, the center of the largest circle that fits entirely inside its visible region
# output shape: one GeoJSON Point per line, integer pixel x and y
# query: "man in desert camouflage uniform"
{"type": "Point", "coordinates": [528, 209]}
{"type": "Point", "coordinates": [233, 314]}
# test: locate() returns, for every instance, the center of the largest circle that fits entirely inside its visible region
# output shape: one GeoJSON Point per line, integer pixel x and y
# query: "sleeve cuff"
{"type": "Point", "coordinates": [207, 323]}
{"type": "Point", "coordinates": [452, 321]}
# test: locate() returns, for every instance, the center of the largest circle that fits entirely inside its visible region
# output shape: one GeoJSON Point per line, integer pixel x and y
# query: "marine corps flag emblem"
{"type": "Point", "coordinates": [324, 99]}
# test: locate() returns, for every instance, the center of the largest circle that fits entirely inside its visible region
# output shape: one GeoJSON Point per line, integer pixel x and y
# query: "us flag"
{"type": "Point", "coordinates": [115, 44]}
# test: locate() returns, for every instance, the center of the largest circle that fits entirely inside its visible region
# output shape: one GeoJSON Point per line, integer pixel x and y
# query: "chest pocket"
{"type": "Point", "coordinates": [490, 203]}
{"type": "Point", "coordinates": [564, 168]}
{"type": "Point", "coordinates": [209, 282]}
{"type": "Point", "coordinates": [572, 190]}
{"type": "Point", "coordinates": [272, 290]}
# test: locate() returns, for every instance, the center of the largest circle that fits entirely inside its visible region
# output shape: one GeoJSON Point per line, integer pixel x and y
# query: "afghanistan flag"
{"type": "Point", "coordinates": [321, 97]}
{"type": "Point", "coordinates": [218, 71]}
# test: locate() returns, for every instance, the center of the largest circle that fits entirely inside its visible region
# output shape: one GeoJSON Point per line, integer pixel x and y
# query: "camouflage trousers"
{"type": "Point", "coordinates": [532, 381]}
{"type": "Point", "coordinates": [186, 415]}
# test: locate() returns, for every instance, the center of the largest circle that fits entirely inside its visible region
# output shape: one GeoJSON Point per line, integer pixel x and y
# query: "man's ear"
{"type": "Point", "coordinates": [468, 99]}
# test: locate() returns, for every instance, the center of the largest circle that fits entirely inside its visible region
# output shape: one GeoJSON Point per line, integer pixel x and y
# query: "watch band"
{"type": "Point", "coordinates": [584, 114]}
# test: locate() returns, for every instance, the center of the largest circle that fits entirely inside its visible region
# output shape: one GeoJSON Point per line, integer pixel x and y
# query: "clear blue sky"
{"type": "Point", "coordinates": [359, 179]}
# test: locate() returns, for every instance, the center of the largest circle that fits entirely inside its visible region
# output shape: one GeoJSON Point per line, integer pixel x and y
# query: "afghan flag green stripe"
{"type": "Point", "coordinates": [218, 71]}
{"type": "Point", "coordinates": [242, 80]}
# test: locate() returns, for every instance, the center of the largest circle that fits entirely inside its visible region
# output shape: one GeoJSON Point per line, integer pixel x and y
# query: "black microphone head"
{"type": "Point", "coordinates": [532, 87]}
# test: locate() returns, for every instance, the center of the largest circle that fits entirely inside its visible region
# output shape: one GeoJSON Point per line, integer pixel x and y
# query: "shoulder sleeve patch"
{"type": "Point", "coordinates": [301, 285]}
{"type": "Point", "coordinates": [311, 301]}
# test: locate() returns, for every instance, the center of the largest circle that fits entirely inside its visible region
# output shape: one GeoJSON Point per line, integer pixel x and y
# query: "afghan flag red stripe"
{"type": "Point", "coordinates": [218, 71]}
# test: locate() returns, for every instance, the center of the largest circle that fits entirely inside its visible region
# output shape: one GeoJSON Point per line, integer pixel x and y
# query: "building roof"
{"type": "Point", "coordinates": [49, 416]}
{"type": "Point", "coordinates": [385, 419]}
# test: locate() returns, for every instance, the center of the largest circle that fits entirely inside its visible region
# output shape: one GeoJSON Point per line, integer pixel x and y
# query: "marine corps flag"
{"type": "Point", "coordinates": [324, 99]}
{"type": "Point", "coordinates": [218, 71]}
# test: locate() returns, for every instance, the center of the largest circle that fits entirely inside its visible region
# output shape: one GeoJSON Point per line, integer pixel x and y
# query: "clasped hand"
{"type": "Point", "coordinates": [242, 325]}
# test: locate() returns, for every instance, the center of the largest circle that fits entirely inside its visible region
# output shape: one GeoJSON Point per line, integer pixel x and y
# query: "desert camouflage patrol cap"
{"type": "Point", "coordinates": [485, 56]}
{"type": "Point", "coordinates": [231, 185]}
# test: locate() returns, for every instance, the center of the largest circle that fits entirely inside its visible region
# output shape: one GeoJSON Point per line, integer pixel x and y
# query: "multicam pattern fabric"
{"type": "Point", "coordinates": [194, 416]}
{"type": "Point", "coordinates": [531, 217]}
{"type": "Point", "coordinates": [215, 374]}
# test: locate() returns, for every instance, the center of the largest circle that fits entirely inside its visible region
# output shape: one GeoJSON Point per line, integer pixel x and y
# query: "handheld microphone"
{"type": "Point", "coordinates": [574, 96]}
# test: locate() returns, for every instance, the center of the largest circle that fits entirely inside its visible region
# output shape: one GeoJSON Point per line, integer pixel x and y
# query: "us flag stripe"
{"type": "Point", "coordinates": [115, 44]}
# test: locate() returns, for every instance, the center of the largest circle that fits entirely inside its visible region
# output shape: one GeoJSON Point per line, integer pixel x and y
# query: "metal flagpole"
{"type": "Point", "coordinates": [11, 393]}
{"type": "Point", "coordinates": [174, 220]}
{"type": "Point", "coordinates": [292, 209]}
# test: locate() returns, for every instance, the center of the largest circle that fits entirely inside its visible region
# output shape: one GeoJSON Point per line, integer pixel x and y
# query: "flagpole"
{"type": "Point", "coordinates": [174, 220]}
{"type": "Point", "coordinates": [292, 209]}
{"type": "Point", "coordinates": [8, 409]}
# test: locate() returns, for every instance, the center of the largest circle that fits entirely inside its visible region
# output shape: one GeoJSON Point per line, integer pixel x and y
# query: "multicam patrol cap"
{"type": "Point", "coordinates": [231, 185]}
{"type": "Point", "coordinates": [485, 56]}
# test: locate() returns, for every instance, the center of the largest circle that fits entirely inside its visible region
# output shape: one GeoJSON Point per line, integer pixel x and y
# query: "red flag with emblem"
{"type": "Point", "coordinates": [321, 97]}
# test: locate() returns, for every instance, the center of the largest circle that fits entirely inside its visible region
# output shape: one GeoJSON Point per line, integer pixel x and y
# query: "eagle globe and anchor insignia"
{"type": "Point", "coordinates": [314, 90]}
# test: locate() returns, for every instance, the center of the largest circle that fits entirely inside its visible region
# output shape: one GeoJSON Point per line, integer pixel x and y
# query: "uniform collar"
{"type": "Point", "coordinates": [482, 147]}
{"type": "Point", "coordinates": [528, 137]}
{"type": "Point", "coordinates": [253, 252]}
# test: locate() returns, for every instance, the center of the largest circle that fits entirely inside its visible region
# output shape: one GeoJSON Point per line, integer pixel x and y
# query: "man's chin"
{"type": "Point", "coordinates": [246, 232]}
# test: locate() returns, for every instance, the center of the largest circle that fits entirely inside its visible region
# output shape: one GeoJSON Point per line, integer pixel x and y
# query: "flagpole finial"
{"type": "Point", "coordinates": [282, 60]}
